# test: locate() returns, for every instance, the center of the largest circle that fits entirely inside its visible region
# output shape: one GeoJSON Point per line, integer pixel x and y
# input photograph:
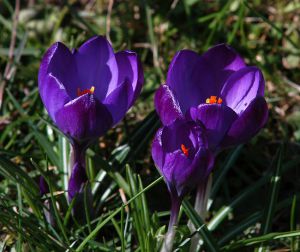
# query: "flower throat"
{"type": "Point", "coordinates": [214, 100]}
{"type": "Point", "coordinates": [85, 91]}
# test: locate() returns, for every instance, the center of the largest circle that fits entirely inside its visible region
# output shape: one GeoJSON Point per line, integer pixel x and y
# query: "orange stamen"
{"type": "Point", "coordinates": [185, 150]}
{"type": "Point", "coordinates": [85, 91]}
{"type": "Point", "coordinates": [214, 100]}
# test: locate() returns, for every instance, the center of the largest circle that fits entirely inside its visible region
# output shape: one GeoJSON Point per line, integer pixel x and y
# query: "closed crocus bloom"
{"type": "Point", "coordinates": [217, 90]}
{"type": "Point", "coordinates": [86, 92]}
{"type": "Point", "coordinates": [181, 154]}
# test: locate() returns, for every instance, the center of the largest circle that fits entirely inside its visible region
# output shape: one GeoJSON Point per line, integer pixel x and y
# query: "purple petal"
{"type": "Point", "coordinates": [58, 61]}
{"type": "Point", "coordinates": [242, 87]}
{"type": "Point", "coordinates": [157, 151]}
{"type": "Point", "coordinates": [225, 60]}
{"type": "Point", "coordinates": [97, 66]}
{"type": "Point", "coordinates": [187, 81]}
{"type": "Point", "coordinates": [44, 188]}
{"type": "Point", "coordinates": [248, 124]}
{"type": "Point", "coordinates": [182, 132]}
{"type": "Point", "coordinates": [169, 139]}
{"type": "Point", "coordinates": [77, 180]}
{"type": "Point", "coordinates": [118, 101]}
{"type": "Point", "coordinates": [130, 70]}
{"type": "Point", "coordinates": [130, 82]}
{"type": "Point", "coordinates": [181, 171]}
{"type": "Point", "coordinates": [193, 78]}
{"type": "Point", "coordinates": [53, 94]}
{"type": "Point", "coordinates": [177, 168]}
{"type": "Point", "coordinates": [188, 178]}
{"type": "Point", "coordinates": [83, 118]}
{"type": "Point", "coordinates": [217, 120]}
{"type": "Point", "coordinates": [166, 105]}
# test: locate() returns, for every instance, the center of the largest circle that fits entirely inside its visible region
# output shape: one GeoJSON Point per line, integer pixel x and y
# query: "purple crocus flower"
{"type": "Point", "coordinates": [219, 94]}
{"type": "Point", "coordinates": [180, 151]}
{"type": "Point", "coordinates": [86, 92]}
{"type": "Point", "coordinates": [216, 90]}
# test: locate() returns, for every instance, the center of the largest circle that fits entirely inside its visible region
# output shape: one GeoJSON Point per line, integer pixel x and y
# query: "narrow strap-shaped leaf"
{"type": "Point", "coordinates": [239, 199]}
{"type": "Point", "coordinates": [273, 194]}
{"type": "Point", "coordinates": [229, 162]}
{"type": "Point", "coordinates": [106, 220]}
{"type": "Point", "coordinates": [201, 228]}
{"type": "Point", "coordinates": [264, 238]}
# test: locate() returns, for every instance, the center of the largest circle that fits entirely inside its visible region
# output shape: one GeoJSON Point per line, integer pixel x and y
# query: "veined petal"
{"type": "Point", "coordinates": [157, 151]}
{"type": "Point", "coordinates": [118, 101]}
{"type": "Point", "coordinates": [179, 152]}
{"type": "Point", "coordinates": [200, 169]}
{"type": "Point", "coordinates": [242, 87]}
{"type": "Point", "coordinates": [188, 81]}
{"type": "Point", "coordinates": [58, 62]}
{"type": "Point", "coordinates": [83, 118]}
{"type": "Point", "coordinates": [97, 66]}
{"type": "Point", "coordinates": [177, 169]}
{"type": "Point", "coordinates": [77, 180]}
{"type": "Point", "coordinates": [248, 124]}
{"type": "Point", "coordinates": [224, 60]}
{"type": "Point", "coordinates": [217, 120]}
{"type": "Point", "coordinates": [183, 132]}
{"type": "Point", "coordinates": [183, 173]}
{"type": "Point", "coordinates": [193, 78]}
{"type": "Point", "coordinates": [53, 94]}
{"type": "Point", "coordinates": [166, 105]}
{"type": "Point", "coordinates": [130, 70]}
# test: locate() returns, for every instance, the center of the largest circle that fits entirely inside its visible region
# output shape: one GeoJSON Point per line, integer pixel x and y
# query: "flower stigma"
{"type": "Point", "coordinates": [185, 150]}
{"type": "Point", "coordinates": [214, 100]}
{"type": "Point", "coordinates": [85, 91]}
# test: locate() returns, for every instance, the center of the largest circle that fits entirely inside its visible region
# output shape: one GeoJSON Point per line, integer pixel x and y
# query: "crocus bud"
{"type": "Point", "coordinates": [181, 154]}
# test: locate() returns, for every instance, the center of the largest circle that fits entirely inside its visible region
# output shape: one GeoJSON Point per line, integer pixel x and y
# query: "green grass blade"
{"type": "Point", "coordinates": [201, 228]}
{"type": "Point", "coordinates": [228, 164]}
{"type": "Point", "coordinates": [239, 199]}
{"type": "Point", "coordinates": [264, 238]}
{"type": "Point", "coordinates": [273, 195]}
{"type": "Point", "coordinates": [293, 223]}
{"type": "Point", "coordinates": [106, 220]}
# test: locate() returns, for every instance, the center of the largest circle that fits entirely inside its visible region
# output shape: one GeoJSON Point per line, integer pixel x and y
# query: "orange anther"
{"type": "Point", "coordinates": [214, 100]}
{"type": "Point", "coordinates": [85, 91]}
{"type": "Point", "coordinates": [185, 150]}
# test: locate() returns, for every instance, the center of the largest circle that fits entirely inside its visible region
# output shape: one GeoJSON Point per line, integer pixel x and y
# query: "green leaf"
{"type": "Point", "coordinates": [264, 238]}
{"type": "Point", "coordinates": [273, 194]}
{"type": "Point", "coordinates": [106, 220]}
{"type": "Point", "coordinates": [201, 228]}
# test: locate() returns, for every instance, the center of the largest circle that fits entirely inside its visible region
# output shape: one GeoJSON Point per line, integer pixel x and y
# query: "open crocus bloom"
{"type": "Point", "coordinates": [87, 91]}
{"type": "Point", "coordinates": [216, 90]}
{"type": "Point", "coordinates": [180, 152]}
